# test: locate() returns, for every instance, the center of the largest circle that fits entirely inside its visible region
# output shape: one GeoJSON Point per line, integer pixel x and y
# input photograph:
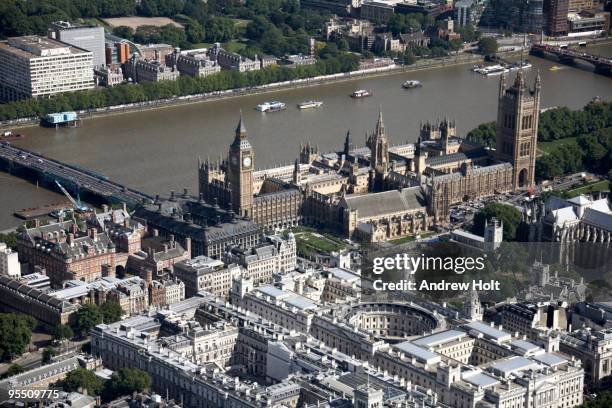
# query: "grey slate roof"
{"type": "Point", "coordinates": [450, 158]}
{"type": "Point", "coordinates": [388, 202]}
{"type": "Point", "coordinates": [597, 219]}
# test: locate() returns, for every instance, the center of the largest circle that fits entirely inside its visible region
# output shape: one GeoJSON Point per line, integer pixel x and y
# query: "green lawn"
{"type": "Point", "coordinates": [200, 45]}
{"type": "Point", "coordinates": [232, 46]}
{"type": "Point", "coordinates": [547, 147]}
{"type": "Point", "coordinates": [412, 238]}
{"type": "Point", "coordinates": [310, 241]}
{"type": "Point", "coordinates": [603, 185]}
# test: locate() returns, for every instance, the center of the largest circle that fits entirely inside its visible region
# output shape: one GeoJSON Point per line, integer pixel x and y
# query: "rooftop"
{"type": "Point", "coordinates": [439, 338]}
{"type": "Point", "coordinates": [419, 353]}
{"type": "Point", "coordinates": [32, 46]}
{"type": "Point", "coordinates": [511, 365]}
{"type": "Point", "coordinates": [488, 331]}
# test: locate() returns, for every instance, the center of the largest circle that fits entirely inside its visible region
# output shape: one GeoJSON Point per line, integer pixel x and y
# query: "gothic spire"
{"type": "Point", "coordinates": [380, 126]}
{"type": "Point", "coordinates": [502, 84]}
{"type": "Point", "coordinates": [519, 82]}
{"type": "Point", "coordinates": [348, 144]}
{"type": "Point", "coordinates": [241, 128]}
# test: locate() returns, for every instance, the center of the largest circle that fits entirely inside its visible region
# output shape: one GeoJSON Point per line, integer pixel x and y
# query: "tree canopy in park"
{"type": "Point", "coordinates": [509, 215]}
{"type": "Point", "coordinates": [88, 317]}
{"type": "Point", "coordinates": [82, 379]}
{"type": "Point", "coordinates": [15, 334]}
{"type": "Point", "coordinates": [111, 311]}
{"type": "Point", "coordinates": [487, 45]}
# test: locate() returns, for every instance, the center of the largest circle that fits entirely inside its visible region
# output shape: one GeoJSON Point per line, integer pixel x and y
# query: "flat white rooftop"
{"type": "Point", "coordinates": [440, 338]}
{"type": "Point", "coordinates": [509, 366]}
{"type": "Point", "coordinates": [489, 332]}
{"type": "Point", "coordinates": [417, 352]}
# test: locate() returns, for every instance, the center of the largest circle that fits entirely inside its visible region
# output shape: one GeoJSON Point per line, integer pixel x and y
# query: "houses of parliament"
{"type": "Point", "coordinates": [380, 192]}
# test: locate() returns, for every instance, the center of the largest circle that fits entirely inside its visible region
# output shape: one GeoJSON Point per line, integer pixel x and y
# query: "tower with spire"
{"type": "Point", "coordinates": [297, 175]}
{"type": "Point", "coordinates": [472, 309]}
{"type": "Point", "coordinates": [379, 155]}
{"type": "Point", "coordinates": [348, 144]}
{"type": "Point", "coordinates": [240, 172]}
{"type": "Point", "coordinates": [517, 127]}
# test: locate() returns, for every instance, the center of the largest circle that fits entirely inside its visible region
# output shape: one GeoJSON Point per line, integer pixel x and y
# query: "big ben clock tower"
{"type": "Point", "coordinates": [241, 172]}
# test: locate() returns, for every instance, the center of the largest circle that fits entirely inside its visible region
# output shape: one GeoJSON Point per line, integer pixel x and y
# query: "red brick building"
{"type": "Point", "coordinates": [66, 252]}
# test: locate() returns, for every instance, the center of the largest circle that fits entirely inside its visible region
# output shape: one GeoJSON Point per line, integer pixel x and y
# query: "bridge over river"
{"type": "Point", "coordinates": [88, 184]}
{"type": "Point", "coordinates": [603, 65]}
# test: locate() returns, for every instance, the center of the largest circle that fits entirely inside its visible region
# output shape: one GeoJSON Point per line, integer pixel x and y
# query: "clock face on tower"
{"type": "Point", "coordinates": [246, 161]}
{"type": "Point", "coordinates": [234, 160]}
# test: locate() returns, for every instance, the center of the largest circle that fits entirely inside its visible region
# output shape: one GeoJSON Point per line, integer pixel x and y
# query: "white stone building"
{"type": "Point", "coordinates": [34, 66]}
{"type": "Point", "coordinates": [9, 262]}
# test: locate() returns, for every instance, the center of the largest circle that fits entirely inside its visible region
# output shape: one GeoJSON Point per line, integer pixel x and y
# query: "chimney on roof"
{"type": "Point", "coordinates": [36, 222]}
{"type": "Point", "coordinates": [70, 239]}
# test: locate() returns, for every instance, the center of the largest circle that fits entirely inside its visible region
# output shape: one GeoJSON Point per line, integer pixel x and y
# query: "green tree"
{"type": "Point", "coordinates": [48, 354]}
{"type": "Point", "coordinates": [509, 215]}
{"type": "Point", "coordinates": [484, 134]}
{"type": "Point", "coordinates": [15, 334]}
{"type": "Point", "coordinates": [468, 33]}
{"type": "Point", "coordinates": [62, 332]}
{"type": "Point", "coordinates": [82, 379]}
{"type": "Point", "coordinates": [124, 32]}
{"type": "Point", "coordinates": [455, 45]}
{"type": "Point", "coordinates": [9, 239]}
{"type": "Point", "coordinates": [409, 57]}
{"type": "Point", "coordinates": [14, 369]}
{"type": "Point", "coordinates": [603, 400]}
{"type": "Point", "coordinates": [111, 311]}
{"type": "Point", "coordinates": [194, 31]}
{"type": "Point", "coordinates": [487, 45]}
{"type": "Point", "coordinates": [88, 317]}
{"type": "Point", "coordinates": [126, 381]}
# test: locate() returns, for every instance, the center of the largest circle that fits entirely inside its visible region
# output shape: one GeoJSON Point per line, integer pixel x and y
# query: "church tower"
{"type": "Point", "coordinates": [348, 144]}
{"type": "Point", "coordinates": [517, 128]}
{"type": "Point", "coordinates": [240, 172]}
{"type": "Point", "coordinates": [379, 154]}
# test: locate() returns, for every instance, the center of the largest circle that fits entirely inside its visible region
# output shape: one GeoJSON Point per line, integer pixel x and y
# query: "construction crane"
{"type": "Point", "coordinates": [77, 204]}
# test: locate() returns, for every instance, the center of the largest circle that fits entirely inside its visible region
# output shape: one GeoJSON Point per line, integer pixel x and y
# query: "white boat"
{"type": "Point", "coordinates": [524, 65]}
{"type": "Point", "coordinates": [494, 70]}
{"type": "Point", "coordinates": [361, 93]}
{"type": "Point", "coordinates": [310, 104]}
{"type": "Point", "coordinates": [478, 68]}
{"type": "Point", "coordinates": [412, 84]}
{"type": "Point", "coordinates": [273, 106]}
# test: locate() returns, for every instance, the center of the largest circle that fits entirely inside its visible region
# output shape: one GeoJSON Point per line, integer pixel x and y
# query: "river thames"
{"type": "Point", "coordinates": [157, 150]}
